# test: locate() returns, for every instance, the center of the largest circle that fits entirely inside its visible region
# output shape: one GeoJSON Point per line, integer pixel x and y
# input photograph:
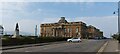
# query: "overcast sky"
{"type": "Point", "coordinates": [29, 14]}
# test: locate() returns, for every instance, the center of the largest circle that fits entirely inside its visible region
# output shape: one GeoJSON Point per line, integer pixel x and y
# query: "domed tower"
{"type": "Point", "coordinates": [62, 20]}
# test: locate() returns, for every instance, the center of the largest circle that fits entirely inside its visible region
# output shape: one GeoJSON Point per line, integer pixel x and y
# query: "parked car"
{"type": "Point", "coordinates": [98, 38]}
{"type": "Point", "coordinates": [74, 39]}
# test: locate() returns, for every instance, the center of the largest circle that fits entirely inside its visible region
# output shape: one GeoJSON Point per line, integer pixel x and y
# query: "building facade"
{"type": "Point", "coordinates": [65, 29]}
{"type": "Point", "coordinates": [1, 30]}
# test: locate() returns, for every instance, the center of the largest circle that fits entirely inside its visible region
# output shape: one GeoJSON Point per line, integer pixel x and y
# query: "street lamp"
{"type": "Point", "coordinates": [118, 20]}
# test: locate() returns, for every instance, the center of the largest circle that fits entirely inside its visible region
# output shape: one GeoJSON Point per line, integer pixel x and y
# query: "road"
{"type": "Point", "coordinates": [84, 46]}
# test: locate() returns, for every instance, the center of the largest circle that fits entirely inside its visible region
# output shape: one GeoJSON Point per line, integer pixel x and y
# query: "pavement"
{"type": "Point", "coordinates": [110, 47]}
{"type": "Point", "coordinates": [119, 48]}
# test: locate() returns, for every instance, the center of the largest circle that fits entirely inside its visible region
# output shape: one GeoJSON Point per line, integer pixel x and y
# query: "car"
{"type": "Point", "coordinates": [74, 40]}
{"type": "Point", "coordinates": [98, 38]}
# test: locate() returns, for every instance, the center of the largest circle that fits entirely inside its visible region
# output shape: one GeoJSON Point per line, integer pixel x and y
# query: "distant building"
{"type": "Point", "coordinates": [1, 30]}
{"type": "Point", "coordinates": [63, 28]}
{"type": "Point", "coordinates": [94, 32]}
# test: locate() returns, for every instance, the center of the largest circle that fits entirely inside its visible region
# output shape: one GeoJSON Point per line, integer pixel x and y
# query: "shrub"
{"type": "Point", "coordinates": [30, 40]}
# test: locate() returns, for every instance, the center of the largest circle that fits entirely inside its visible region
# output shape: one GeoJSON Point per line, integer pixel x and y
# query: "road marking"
{"type": "Point", "coordinates": [45, 48]}
{"type": "Point", "coordinates": [117, 50]}
{"type": "Point", "coordinates": [27, 51]}
{"type": "Point", "coordinates": [102, 48]}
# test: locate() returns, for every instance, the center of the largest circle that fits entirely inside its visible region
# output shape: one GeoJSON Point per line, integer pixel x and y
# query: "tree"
{"type": "Point", "coordinates": [115, 36]}
{"type": "Point", "coordinates": [118, 38]}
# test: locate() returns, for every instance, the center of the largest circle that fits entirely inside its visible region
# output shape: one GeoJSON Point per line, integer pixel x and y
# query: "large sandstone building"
{"type": "Point", "coordinates": [68, 29]}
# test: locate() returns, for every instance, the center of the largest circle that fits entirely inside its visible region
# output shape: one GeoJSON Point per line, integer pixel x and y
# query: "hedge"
{"type": "Point", "coordinates": [30, 40]}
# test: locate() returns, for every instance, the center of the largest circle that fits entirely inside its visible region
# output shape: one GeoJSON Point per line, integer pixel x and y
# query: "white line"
{"type": "Point", "coordinates": [27, 51]}
{"type": "Point", "coordinates": [102, 48]}
{"type": "Point", "coordinates": [117, 50]}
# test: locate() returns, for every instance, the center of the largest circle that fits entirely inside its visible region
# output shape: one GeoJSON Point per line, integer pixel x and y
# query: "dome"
{"type": "Point", "coordinates": [62, 20]}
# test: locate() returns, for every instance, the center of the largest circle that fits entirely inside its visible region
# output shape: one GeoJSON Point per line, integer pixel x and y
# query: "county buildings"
{"type": "Point", "coordinates": [63, 28]}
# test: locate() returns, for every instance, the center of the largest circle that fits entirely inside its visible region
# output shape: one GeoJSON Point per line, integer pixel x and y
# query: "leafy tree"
{"type": "Point", "coordinates": [115, 36]}
{"type": "Point", "coordinates": [118, 38]}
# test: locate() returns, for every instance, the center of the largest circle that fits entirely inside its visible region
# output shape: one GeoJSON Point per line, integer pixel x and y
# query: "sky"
{"type": "Point", "coordinates": [29, 14]}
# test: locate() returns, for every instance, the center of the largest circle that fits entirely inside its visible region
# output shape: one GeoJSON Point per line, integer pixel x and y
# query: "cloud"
{"type": "Point", "coordinates": [1, 13]}
{"type": "Point", "coordinates": [59, 0]}
{"type": "Point", "coordinates": [50, 20]}
{"type": "Point", "coordinates": [14, 6]}
{"type": "Point", "coordinates": [27, 25]}
{"type": "Point", "coordinates": [10, 13]}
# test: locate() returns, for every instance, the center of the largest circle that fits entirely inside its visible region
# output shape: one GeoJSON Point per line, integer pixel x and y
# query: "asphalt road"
{"type": "Point", "coordinates": [84, 46]}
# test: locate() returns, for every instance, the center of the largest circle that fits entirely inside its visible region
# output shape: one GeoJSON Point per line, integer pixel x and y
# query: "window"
{"type": "Point", "coordinates": [65, 30]}
{"type": "Point", "coordinates": [68, 29]}
{"type": "Point", "coordinates": [42, 29]}
{"type": "Point", "coordinates": [77, 30]}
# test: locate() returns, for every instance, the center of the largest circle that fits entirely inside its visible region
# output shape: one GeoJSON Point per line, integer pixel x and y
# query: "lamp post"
{"type": "Point", "coordinates": [118, 20]}
{"type": "Point", "coordinates": [118, 17]}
